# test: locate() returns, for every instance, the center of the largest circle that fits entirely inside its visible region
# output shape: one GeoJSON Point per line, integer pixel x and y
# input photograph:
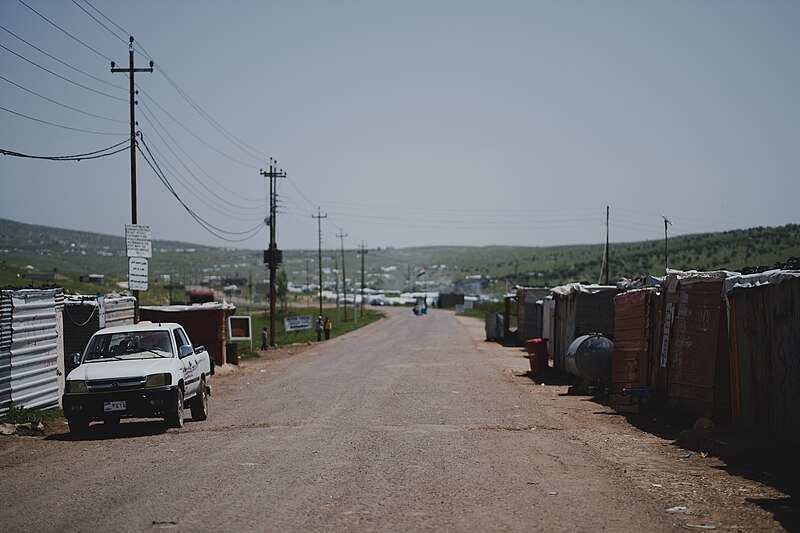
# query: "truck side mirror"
{"type": "Point", "coordinates": [185, 351]}
{"type": "Point", "coordinates": [76, 359]}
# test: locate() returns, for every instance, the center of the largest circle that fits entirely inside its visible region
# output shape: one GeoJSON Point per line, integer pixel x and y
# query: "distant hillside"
{"type": "Point", "coordinates": [492, 269]}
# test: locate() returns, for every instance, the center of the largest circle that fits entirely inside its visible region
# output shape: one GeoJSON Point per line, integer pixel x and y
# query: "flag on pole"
{"type": "Point", "coordinates": [421, 271]}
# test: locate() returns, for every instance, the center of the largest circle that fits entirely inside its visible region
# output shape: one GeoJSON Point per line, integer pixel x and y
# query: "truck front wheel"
{"type": "Point", "coordinates": [174, 418]}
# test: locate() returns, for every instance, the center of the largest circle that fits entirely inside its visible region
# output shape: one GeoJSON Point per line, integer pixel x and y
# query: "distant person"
{"type": "Point", "coordinates": [319, 327]}
{"type": "Point", "coordinates": [264, 338]}
{"type": "Point", "coordinates": [328, 327]}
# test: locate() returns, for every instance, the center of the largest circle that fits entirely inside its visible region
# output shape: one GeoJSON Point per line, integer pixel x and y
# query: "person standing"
{"type": "Point", "coordinates": [264, 338]}
{"type": "Point", "coordinates": [319, 326]}
{"type": "Point", "coordinates": [328, 327]}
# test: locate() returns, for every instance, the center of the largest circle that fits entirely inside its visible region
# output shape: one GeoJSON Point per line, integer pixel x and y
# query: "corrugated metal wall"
{"type": "Point", "coordinates": [765, 354]}
{"type": "Point", "coordinates": [693, 345]}
{"type": "Point", "coordinates": [30, 353]}
{"type": "Point", "coordinates": [84, 315]}
{"type": "Point", "coordinates": [529, 315]}
{"type": "Point", "coordinates": [632, 341]}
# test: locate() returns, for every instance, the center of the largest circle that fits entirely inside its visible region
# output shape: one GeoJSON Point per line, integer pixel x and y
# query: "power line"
{"type": "Point", "coordinates": [63, 62]}
{"type": "Point", "coordinates": [150, 117]}
{"type": "Point", "coordinates": [103, 25]}
{"type": "Point", "coordinates": [124, 32]}
{"type": "Point", "coordinates": [65, 32]}
{"type": "Point", "coordinates": [59, 125]}
{"type": "Point", "coordinates": [60, 104]}
{"type": "Point", "coordinates": [97, 154]}
{"type": "Point", "coordinates": [204, 223]}
{"type": "Point", "coordinates": [62, 77]}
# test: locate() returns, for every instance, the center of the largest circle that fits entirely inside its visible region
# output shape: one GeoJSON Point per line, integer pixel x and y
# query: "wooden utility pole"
{"type": "Point", "coordinates": [130, 71]}
{"type": "Point", "coordinates": [319, 216]}
{"type": "Point", "coordinates": [272, 175]}
{"type": "Point", "coordinates": [666, 262]}
{"type": "Point", "coordinates": [363, 253]}
{"type": "Point", "coordinates": [606, 258]}
{"type": "Point", "coordinates": [342, 235]}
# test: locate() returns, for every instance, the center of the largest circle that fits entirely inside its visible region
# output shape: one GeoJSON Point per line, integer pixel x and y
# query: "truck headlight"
{"type": "Point", "coordinates": [76, 385]}
{"type": "Point", "coordinates": [158, 380]}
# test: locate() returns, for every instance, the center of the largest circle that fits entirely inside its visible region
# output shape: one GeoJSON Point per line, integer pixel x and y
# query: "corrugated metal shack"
{"type": "Point", "coordinates": [84, 315]}
{"type": "Point", "coordinates": [694, 345]}
{"type": "Point", "coordinates": [637, 340]}
{"type": "Point", "coordinates": [765, 351]}
{"type": "Point", "coordinates": [580, 310]}
{"type": "Point", "coordinates": [30, 347]}
{"type": "Point", "coordinates": [205, 323]}
{"type": "Point", "coordinates": [529, 312]}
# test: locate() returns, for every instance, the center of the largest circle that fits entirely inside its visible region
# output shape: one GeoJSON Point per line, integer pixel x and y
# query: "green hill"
{"type": "Point", "coordinates": [485, 269]}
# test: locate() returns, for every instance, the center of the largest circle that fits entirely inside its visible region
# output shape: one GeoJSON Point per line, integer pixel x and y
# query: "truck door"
{"type": "Point", "coordinates": [191, 365]}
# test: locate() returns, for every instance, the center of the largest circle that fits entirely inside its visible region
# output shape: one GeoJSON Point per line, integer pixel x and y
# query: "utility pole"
{"type": "Point", "coordinates": [319, 216]}
{"type": "Point", "coordinates": [363, 253]}
{"type": "Point", "coordinates": [341, 236]}
{"type": "Point", "coordinates": [130, 71]}
{"type": "Point", "coordinates": [272, 175]}
{"type": "Point", "coordinates": [666, 263]}
{"type": "Point", "coordinates": [606, 258]}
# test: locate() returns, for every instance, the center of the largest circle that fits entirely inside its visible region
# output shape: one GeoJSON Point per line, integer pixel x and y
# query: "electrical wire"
{"type": "Point", "coordinates": [103, 25]}
{"type": "Point", "coordinates": [60, 125]}
{"type": "Point", "coordinates": [146, 111]}
{"type": "Point", "coordinates": [62, 77]}
{"type": "Point", "coordinates": [60, 104]}
{"type": "Point", "coordinates": [124, 32]}
{"type": "Point", "coordinates": [65, 32]}
{"type": "Point", "coordinates": [64, 62]}
{"type": "Point", "coordinates": [204, 223]}
{"type": "Point", "coordinates": [76, 157]}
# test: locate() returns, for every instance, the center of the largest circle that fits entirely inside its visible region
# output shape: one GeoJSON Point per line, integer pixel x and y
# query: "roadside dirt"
{"type": "Point", "coordinates": [702, 491]}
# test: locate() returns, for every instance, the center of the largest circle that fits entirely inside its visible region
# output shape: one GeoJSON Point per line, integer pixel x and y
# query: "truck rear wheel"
{"type": "Point", "coordinates": [77, 425]}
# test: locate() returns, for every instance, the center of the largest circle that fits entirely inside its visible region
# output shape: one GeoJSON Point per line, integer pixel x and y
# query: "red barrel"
{"type": "Point", "coordinates": [537, 354]}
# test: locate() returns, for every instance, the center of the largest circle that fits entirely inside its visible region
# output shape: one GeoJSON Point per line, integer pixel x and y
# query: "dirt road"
{"type": "Point", "coordinates": [412, 424]}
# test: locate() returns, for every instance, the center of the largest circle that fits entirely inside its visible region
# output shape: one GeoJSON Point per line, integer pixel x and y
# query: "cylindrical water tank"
{"type": "Point", "coordinates": [589, 357]}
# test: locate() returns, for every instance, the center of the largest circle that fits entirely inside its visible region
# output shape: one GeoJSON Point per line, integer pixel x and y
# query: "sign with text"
{"type": "Point", "coordinates": [137, 274]}
{"type": "Point", "coordinates": [137, 240]}
{"type": "Point", "coordinates": [296, 323]}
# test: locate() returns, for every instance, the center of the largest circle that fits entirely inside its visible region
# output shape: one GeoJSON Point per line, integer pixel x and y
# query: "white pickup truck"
{"type": "Point", "coordinates": [142, 371]}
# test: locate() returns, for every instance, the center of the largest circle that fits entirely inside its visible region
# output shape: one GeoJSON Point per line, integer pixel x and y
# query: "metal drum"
{"type": "Point", "coordinates": [589, 357]}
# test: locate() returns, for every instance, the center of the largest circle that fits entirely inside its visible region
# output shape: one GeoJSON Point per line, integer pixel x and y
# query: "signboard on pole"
{"type": "Point", "coordinates": [137, 274]}
{"type": "Point", "coordinates": [296, 323]}
{"type": "Point", "coordinates": [137, 240]}
{"type": "Point", "coordinates": [239, 328]}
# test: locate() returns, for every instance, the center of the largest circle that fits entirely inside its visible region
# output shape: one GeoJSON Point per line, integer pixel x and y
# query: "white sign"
{"type": "Point", "coordinates": [296, 323]}
{"type": "Point", "coordinates": [137, 240]}
{"type": "Point", "coordinates": [137, 274]}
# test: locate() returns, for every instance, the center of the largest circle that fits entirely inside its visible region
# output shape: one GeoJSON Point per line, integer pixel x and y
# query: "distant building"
{"type": "Point", "coordinates": [97, 279]}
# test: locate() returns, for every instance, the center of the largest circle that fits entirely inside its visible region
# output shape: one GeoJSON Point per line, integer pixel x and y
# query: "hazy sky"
{"type": "Point", "coordinates": [409, 122]}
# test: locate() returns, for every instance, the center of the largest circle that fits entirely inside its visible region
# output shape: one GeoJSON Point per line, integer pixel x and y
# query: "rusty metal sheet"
{"type": "Point", "coordinates": [632, 341]}
{"type": "Point", "coordinates": [206, 325]}
{"type": "Point", "coordinates": [693, 345]}
{"type": "Point", "coordinates": [766, 355]}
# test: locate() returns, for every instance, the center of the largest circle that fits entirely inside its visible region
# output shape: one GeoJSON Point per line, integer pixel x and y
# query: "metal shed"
{"type": "Point", "coordinates": [765, 351]}
{"type": "Point", "coordinates": [637, 336]}
{"type": "Point", "coordinates": [580, 310]}
{"type": "Point", "coordinates": [694, 345]}
{"type": "Point", "coordinates": [205, 323]}
{"type": "Point", "coordinates": [30, 347]}
{"type": "Point", "coordinates": [530, 312]}
{"type": "Point", "coordinates": [84, 315]}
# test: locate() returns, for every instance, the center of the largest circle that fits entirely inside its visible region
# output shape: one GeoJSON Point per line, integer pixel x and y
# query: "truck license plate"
{"type": "Point", "coordinates": [113, 406]}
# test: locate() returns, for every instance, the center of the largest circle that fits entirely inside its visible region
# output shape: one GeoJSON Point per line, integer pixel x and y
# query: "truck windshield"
{"type": "Point", "coordinates": [129, 345]}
